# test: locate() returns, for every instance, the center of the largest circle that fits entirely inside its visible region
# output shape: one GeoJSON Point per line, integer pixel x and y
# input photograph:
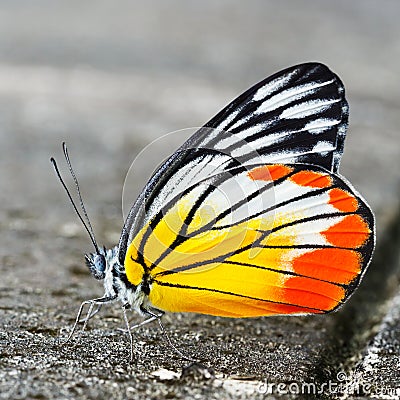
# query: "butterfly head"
{"type": "Point", "coordinates": [97, 263]}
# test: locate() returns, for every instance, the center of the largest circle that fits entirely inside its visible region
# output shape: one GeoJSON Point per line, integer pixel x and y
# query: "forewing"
{"type": "Point", "coordinates": [274, 239]}
{"type": "Point", "coordinates": [297, 115]}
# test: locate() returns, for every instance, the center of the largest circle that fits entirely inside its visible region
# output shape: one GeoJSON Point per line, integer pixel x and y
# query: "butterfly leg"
{"type": "Point", "coordinates": [126, 307]}
{"type": "Point", "coordinates": [133, 327]}
{"type": "Point", "coordinates": [146, 321]}
{"type": "Point", "coordinates": [81, 321]}
{"type": "Point", "coordinates": [152, 314]}
{"type": "Point", "coordinates": [99, 301]}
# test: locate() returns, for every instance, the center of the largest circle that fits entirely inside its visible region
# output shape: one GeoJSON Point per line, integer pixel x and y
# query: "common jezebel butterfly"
{"type": "Point", "coordinates": [204, 236]}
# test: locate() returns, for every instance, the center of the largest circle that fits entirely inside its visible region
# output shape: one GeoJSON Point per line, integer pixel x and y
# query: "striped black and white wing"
{"type": "Point", "coordinates": [298, 115]}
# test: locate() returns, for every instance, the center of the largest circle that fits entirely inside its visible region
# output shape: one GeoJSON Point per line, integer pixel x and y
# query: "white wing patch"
{"type": "Point", "coordinates": [272, 87]}
{"type": "Point", "coordinates": [319, 125]}
{"type": "Point", "coordinates": [307, 108]}
{"type": "Point", "coordinates": [225, 123]}
{"type": "Point", "coordinates": [289, 96]}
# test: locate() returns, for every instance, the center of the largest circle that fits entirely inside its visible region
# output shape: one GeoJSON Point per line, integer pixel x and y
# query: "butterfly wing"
{"type": "Point", "coordinates": [297, 115]}
{"type": "Point", "coordinates": [268, 239]}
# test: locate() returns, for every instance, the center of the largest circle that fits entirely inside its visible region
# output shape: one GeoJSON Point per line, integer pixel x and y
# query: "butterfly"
{"type": "Point", "coordinates": [249, 217]}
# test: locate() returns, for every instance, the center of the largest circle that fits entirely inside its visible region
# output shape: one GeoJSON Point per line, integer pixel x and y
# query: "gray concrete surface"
{"type": "Point", "coordinates": [110, 77]}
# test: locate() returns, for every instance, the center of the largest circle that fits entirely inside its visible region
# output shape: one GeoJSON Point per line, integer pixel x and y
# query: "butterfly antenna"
{"type": "Point", "coordinates": [77, 187]}
{"type": "Point", "coordinates": [90, 232]}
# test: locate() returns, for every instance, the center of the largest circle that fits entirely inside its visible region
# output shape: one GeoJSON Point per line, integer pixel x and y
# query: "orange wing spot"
{"type": "Point", "coordinates": [334, 265]}
{"type": "Point", "coordinates": [351, 232]}
{"type": "Point", "coordinates": [342, 200]}
{"type": "Point", "coordinates": [269, 172]}
{"type": "Point", "coordinates": [312, 179]}
{"type": "Point", "coordinates": [311, 293]}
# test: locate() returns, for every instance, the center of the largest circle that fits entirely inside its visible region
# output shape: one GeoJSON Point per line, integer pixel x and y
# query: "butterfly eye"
{"type": "Point", "coordinates": [97, 265]}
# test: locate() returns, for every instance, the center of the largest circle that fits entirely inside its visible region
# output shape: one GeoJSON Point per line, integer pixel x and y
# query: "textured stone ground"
{"type": "Point", "coordinates": [110, 77]}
